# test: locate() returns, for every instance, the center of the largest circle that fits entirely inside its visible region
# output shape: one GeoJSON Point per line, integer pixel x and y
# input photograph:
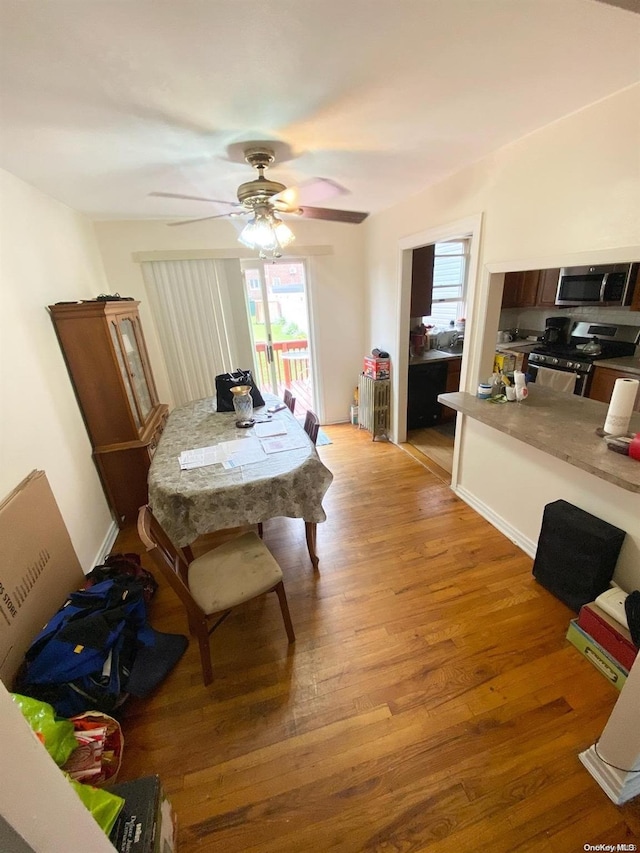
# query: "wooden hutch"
{"type": "Point", "coordinates": [104, 348]}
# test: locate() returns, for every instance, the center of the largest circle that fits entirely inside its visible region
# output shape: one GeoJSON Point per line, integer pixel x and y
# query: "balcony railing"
{"type": "Point", "coordinates": [291, 362]}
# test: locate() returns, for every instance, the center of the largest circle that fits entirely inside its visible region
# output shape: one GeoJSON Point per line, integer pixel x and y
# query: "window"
{"type": "Point", "coordinates": [449, 282]}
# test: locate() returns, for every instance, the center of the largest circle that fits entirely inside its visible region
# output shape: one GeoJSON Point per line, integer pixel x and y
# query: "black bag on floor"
{"type": "Point", "coordinates": [128, 565]}
{"type": "Point", "coordinates": [226, 381]}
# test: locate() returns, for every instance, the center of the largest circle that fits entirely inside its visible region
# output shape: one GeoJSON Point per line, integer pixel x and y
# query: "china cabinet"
{"type": "Point", "coordinates": [106, 355]}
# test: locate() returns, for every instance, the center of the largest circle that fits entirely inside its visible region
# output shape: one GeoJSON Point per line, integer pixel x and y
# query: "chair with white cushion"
{"type": "Point", "coordinates": [213, 584]}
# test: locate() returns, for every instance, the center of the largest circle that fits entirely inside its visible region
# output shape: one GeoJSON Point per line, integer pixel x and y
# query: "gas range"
{"type": "Point", "coordinates": [616, 341]}
{"type": "Point", "coordinates": [564, 358]}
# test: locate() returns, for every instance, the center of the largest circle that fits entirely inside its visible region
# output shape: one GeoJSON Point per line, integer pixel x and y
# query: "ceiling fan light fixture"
{"type": "Point", "coordinates": [283, 233]}
{"type": "Point", "coordinates": [267, 233]}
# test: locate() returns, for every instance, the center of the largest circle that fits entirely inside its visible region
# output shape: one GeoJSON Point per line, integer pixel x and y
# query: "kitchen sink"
{"type": "Point", "coordinates": [455, 350]}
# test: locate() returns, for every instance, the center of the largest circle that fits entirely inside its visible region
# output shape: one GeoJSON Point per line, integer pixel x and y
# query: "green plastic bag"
{"type": "Point", "coordinates": [104, 807]}
{"type": "Point", "coordinates": [55, 733]}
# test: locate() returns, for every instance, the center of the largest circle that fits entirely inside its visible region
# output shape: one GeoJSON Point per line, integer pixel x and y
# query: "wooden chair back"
{"type": "Point", "coordinates": [169, 560]}
{"type": "Point", "coordinates": [289, 400]}
{"type": "Point", "coordinates": [311, 425]}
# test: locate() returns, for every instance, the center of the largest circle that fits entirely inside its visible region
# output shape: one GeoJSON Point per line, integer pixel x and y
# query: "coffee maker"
{"type": "Point", "coordinates": [556, 331]}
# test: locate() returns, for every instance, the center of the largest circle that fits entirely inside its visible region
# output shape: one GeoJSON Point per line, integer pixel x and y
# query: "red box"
{"type": "Point", "coordinates": [377, 368]}
{"type": "Point", "coordinates": [611, 635]}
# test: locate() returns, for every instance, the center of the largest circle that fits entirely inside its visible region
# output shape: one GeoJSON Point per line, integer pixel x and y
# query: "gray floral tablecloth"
{"type": "Point", "coordinates": [189, 503]}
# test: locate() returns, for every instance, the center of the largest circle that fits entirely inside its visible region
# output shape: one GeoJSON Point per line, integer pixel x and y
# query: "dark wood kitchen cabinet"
{"type": "Point", "coordinates": [520, 289]}
{"type": "Point", "coordinates": [635, 293]}
{"type": "Point", "coordinates": [547, 287]}
{"type": "Point", "coordinates": [530, 288]}
{"type": "Point", "coordinates": [422, 281]}
{"type": "Point", "coordinates": [106, 355]}
{"type": "Point", "coordinates": [452, 384]}
{"type": "Point", "coordinates": [603, 381]}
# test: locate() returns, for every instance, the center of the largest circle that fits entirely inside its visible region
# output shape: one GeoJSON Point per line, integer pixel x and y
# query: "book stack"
{"type": "Point", "coordinates": [601, 633]}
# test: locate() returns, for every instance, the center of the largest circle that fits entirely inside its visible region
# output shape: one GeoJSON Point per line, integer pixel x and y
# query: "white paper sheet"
{"type": "Point", "coordinates": [271, 428]}
{"type": "Point", "coordinates": [250, 452]}
{"type": "Point", "coordinates": [285, 442]}
{"type": "Point", "coordinates": [200, 457]}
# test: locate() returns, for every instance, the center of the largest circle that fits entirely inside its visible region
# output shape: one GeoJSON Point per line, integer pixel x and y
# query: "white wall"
{"type": "Point", "coordinates": [564, 194]}
{"type": "Point", "coordinates": [336, 282]}
{"type": "Point", "coordinates": [49, 254]}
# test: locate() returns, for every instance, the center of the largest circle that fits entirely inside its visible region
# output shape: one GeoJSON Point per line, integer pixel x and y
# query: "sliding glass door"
{"type": "Point", "coordinates": [279, 320]}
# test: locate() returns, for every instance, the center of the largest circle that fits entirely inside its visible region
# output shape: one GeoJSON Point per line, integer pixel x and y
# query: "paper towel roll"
{"type": "Point", "coordinates": [521, 385]}
{"type": "Point", "coordinates": [621, 406]}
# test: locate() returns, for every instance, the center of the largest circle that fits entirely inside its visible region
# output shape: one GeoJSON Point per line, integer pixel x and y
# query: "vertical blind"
{"type": "Point", "coordinates": [190, 303]}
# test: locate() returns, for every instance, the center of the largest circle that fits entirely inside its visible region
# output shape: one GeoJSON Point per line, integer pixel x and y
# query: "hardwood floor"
{"type": "Point", "coordinates": [430, 702]}
{"type": "Point", "coordinates": [434, 448]}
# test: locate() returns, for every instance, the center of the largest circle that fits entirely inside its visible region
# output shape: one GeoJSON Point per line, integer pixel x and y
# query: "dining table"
{"type": "Point", "coordinates": [208, 474]}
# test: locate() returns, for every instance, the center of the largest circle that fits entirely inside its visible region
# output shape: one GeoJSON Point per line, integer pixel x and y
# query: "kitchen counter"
{"type": "Point", "coordinates": [433, 356]}
{"type": "Point", "coordinates": [562, 425]}
{"type": "Point", "coordinates": [518, 346]}
{"type": "Point", "coordinates": [630, 364]}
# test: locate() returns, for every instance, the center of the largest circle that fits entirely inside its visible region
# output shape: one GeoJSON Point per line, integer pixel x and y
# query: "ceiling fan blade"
{"type": "Point", "coordinates": [203, 218]}
{"type": "Point", "coordinates": [353, 216]}
{"type": "Point", "coordinates": [194, 198]}
{"type": "Point", "coordinates": [309, 192]}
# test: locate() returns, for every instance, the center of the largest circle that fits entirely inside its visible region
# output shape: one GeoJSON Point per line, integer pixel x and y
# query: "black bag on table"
{"type": "Point", "coordinates": [226, 381]}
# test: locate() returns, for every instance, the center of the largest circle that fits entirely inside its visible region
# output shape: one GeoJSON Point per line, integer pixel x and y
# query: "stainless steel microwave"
{"type": "Point", "coordinates": [611, 284]}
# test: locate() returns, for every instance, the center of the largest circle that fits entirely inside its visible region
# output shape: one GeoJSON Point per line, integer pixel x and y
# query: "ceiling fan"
{"type": "Point", "coordinates": [265, 201]}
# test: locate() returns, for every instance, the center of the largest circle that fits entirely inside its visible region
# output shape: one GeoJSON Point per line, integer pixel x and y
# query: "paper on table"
{"type": "Point", "coordinates": [272, 428]}
{"type": "Point", "coordinates": [200, 457]}
{"type": "Point", "coordinates": [250, 452]}
{"type": "Point", "coordinates": [286, 442]}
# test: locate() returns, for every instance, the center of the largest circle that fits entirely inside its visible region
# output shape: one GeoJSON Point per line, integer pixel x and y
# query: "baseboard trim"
{"type": "Point", "coordinates": [618, 785]}
{"type": "Point", "coordinates": [512, 533]}
{"type": "Point", "coordinates": [107, 544]}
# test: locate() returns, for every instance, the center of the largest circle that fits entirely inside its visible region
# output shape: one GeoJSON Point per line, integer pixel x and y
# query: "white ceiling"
{"type": "Point", "coordinates": [103, 102]}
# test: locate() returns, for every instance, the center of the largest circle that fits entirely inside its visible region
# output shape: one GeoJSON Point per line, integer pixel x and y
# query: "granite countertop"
{"type": "Point", "coordinates": [433, 356]}
{"type": "Point", "coordinates": [630, 364]}
{"type": "Point", "coordinates": [522, 345]}
{"type": "Point", "coordinates": [562, 425]}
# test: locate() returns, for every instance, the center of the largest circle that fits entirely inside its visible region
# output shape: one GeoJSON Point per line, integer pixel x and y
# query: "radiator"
{"type": "Point", "coordinates": [374, 406]}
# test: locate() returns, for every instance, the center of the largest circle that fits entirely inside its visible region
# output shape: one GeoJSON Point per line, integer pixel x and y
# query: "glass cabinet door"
{"type": "Point", "coordinates": [134, 377]}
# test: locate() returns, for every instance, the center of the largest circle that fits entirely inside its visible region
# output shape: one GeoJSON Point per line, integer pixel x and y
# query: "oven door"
{"type": "Point", "coordinates": [559, 379]}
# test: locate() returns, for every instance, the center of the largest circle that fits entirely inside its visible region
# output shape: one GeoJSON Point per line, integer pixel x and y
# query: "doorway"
{"type": "Point", "coordinates": [277, 305]}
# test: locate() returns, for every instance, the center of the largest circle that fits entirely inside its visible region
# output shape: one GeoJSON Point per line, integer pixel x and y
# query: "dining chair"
{"type": "Point", "coordinates": [212, 585]}
{"type": "Point", "coordinates": [311, 425]}
{"type": "Point", "coordinates": [289, 400]}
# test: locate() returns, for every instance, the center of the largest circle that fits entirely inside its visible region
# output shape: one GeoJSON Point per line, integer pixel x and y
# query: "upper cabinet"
{"type": "Point", "coordinates": [104, 348]}
{"type": "Point", "coordinates": [422, 281]}
{"type": "Point", "coordinates": [530, 288]}
{"type": "Point", "coordinates": [635, 298]}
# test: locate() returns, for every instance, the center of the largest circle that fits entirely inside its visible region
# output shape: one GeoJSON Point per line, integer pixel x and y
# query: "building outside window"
{"type": "Point", "coordinates": [449, 283]}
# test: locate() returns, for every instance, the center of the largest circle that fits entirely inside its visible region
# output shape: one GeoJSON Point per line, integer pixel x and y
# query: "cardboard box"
{"type": "Point", "coordinates": [594, 653]}
{"type": "Point", "coordinates": [147, 822]}
{"type": "Point", "coordinates": [377, 368]}
{"type": "Point", "coordinates": [611, 635]}
{"type": "Point", "coordinates": [504, 362]}
{"type": "Point", "coordinates": [38, 568]}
